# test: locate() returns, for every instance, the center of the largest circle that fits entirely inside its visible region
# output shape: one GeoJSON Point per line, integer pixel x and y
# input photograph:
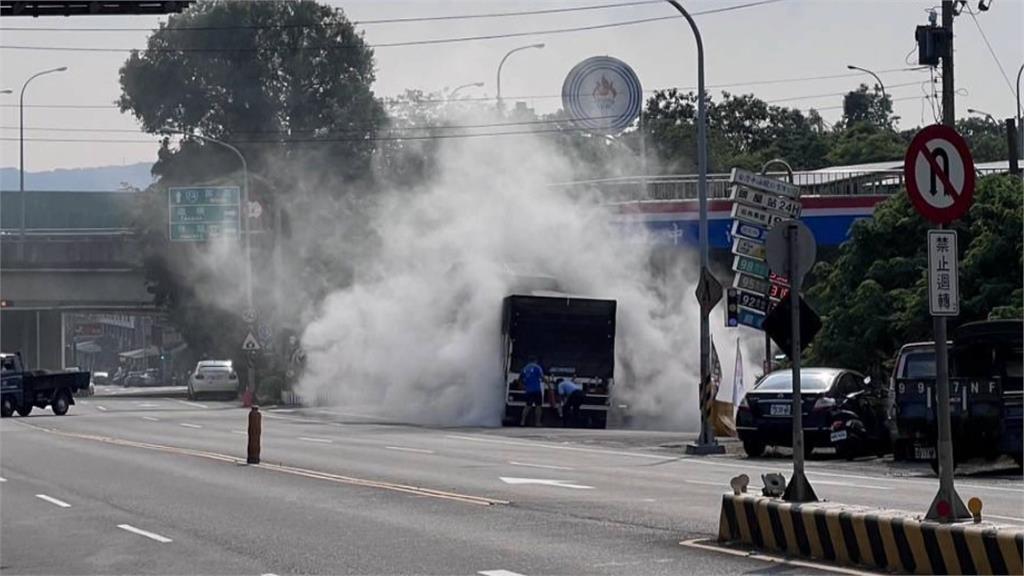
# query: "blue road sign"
{"type": "Point", "coordinates": [748, 317]}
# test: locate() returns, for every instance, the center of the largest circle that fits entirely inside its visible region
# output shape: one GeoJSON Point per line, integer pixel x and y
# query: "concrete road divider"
{"type": "Point", "coordinates": [878, 539]}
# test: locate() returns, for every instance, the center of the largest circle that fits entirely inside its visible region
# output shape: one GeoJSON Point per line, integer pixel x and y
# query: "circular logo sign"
{"type": "Point", "coordinates": [940, 174]}
{"type": "Point", "coordinates": [602, 94]}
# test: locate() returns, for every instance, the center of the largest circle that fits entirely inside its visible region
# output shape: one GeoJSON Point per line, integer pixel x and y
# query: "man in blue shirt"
{"type": "Point", "coordinates": [532, 377]}
{"type": "Point", "coordinates": [571, 395]}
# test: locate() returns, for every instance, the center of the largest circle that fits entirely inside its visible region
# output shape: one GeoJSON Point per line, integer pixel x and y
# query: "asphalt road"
{"type": "Point", "coordinates": [159, 486]}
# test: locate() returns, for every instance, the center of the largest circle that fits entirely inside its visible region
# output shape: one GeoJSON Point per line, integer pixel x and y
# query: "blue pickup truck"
{"type": "Point", "coordinates": [986, 390]}
{"type": "Point", "coordinates": [21, 390]}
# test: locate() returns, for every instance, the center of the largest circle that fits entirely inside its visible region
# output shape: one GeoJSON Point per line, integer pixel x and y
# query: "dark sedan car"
{"type": "Point", "coordinates": [765, 414]}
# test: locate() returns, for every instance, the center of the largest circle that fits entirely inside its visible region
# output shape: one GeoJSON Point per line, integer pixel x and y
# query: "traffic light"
{"type": "Point", "coordinates": [732, 308]}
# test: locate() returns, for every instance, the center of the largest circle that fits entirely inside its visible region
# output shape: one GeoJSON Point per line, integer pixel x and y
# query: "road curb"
{"type": "Point", "coordinates": [878, 539]}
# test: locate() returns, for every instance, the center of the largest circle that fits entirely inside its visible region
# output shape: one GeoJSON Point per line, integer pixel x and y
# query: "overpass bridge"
{"type": "Point", "coordinates": [77, 253]}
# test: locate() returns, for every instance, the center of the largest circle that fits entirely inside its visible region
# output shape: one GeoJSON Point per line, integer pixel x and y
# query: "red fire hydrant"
{"type": "Point", "coordinates": [255, 429]}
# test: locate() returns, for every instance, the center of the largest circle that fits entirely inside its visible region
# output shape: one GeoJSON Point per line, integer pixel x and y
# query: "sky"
{"type": "Point", "coordinates": [770, 50]}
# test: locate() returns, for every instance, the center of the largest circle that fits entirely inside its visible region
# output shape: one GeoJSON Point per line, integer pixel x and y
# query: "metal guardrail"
{"type": "Point", "coordinates": [684, 186]}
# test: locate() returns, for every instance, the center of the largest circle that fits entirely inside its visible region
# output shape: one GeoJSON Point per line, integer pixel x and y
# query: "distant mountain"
{"type": "Point", "coordinates": [88, 179]}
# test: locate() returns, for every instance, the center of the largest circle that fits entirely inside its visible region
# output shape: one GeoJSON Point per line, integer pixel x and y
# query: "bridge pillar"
{"type": "Point", "coordinates": [37, 334]}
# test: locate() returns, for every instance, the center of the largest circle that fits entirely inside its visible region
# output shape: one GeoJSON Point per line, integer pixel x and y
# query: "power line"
{"type": "Point", "coordinates": [990, 50]}
{"type": "Point", "coordinates": [451, 40]}
{"type": "Point", "coordinates": [354, 22]}
{"type": "Point", "coordinates": [315, 140]}
{"type": "Point", "coordinates": [545, 96]}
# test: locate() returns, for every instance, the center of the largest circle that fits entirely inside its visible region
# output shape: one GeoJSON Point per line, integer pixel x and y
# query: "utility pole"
{"type": "Point", "coordinates": [948, 107]}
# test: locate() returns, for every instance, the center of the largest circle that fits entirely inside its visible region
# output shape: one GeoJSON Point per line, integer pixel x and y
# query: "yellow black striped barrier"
{"type": "Point", "coordinates": [872, 538]}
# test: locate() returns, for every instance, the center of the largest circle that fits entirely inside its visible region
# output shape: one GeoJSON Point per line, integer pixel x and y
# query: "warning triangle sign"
{"type": "Point", "coordinates": [250, 344]}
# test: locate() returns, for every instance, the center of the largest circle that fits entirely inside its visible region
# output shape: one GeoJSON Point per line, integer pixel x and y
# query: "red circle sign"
{"type": "Point", "coordinates": [939, 172]}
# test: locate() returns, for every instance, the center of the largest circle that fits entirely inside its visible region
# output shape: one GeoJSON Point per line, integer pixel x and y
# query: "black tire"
{"type": "Point", "coordinates": [25, 409]}
{"type": "Point", "coordinates": [61, 404]}
{"type": "Point", "coordinates": [6, 407]}
{"type": "Point", "coordinates": [753, 448]}
{"type": "Point", "coordinates": [190, 394]}
{"type": "Point", "coordinates": [1019, 459]}
{"type": "Point", "coordinates": [808, 448]}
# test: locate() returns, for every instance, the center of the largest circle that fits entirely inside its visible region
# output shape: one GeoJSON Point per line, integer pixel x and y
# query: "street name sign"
{"type": "Point", "coordinates": [749, 231]}
{"type": "Point", "coordinates": [750, 266]}
{"type": "Point", "coordinates": [939, 171]}
{"type": "Point", "coordinates": [786, 206]}
{"type": "Point", "coordinates": [198, 214]}
{"type": "Point", "coordinates": [751, 283]}
{"type": "Point", "coordinates": [764, 183]}
{"type": "Point", "coordinates": [943, 279]}
{"type": "Point", "coordinates": [758, 302]}
{"type": "Point", "coordinates": [753, 215]}
{"type": "Point", "coordinates": [745, 247]}
{"type": "Point", "coordinates": [750, 318]}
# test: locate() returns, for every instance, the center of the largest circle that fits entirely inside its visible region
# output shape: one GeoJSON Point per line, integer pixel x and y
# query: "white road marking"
{"type": "Point", "coordinates": [2, 479]}
{"type": "Point", "coordinates": [404, 449]}
{"type": "Point", "coordinates": [187, 425]}
{"type": "Point", "coordinates": [722, 485]}
{"type": "Point", "coordinates": [192, 404]}
{"type": "Point", "coordinates": [151, 418]}
{"type": "Point", "coordinates": [755, 555]}
{"type": "Point", "coordinates": [321, 440]}
{"type": "Point", "coordinates": [101, 408]}
{"type": "Point", "coordinates": [284, 410]}
{"type": "Point", "coordinates": [242, 432]}
{"type": "Point", "coordinates": [531, 465]}
{"type": "Point", "coordinates": [53, 500]}
{"type": "Point", "coordinates": [545, 482]}
{"type": "Point", "coordinates": [83, 401]}
{"type": "Point", "coordinates": [498, 573]}
{"type": "Point", "coordinates": [148, 405]}
{"type": "Point", "coordinates": [150, 535]}
{"type": "Point", "coordinates": [852, 485]}
{"type": "Point", "coordinates": [559, 447]}
{"type": "Point", "coordinates": [1010, 518]}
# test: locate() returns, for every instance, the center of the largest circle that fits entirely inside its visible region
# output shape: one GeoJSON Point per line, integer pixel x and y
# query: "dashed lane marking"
{"type": "Point", "coordinates": [101, 408]}
{"type": "Point", "coordinates": [192, 404]}
{"type": "Point", "coordinates": [320, 440]}
{"type": "Point", "coordinates": [187, 425]}
{"type": "Point", "coordinates": [545, 466]}
{"type": "Point", "coordinates": [53, 500]}
{"type": "Point", "coordinates": [404, 449]}
{"type": "Point", "coordinates": [498, 573]}
{"type": "Point", "coordinates": [146, 533]}
{"type": "Point", "coordinates": [151, 418]}
{"type": "Point", "coordinates": [560, 447]}
{"type": "Point", "coordinates": [2, 479]}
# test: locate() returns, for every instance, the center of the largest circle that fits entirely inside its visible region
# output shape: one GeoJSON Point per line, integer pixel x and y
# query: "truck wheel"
{"type": "Point", "coordinates": [6, 407]}
{"type": "Point", "coordinates": [60, 404]}
{"type": "Point", "coordinates": [25, 409]}
{"type": "Point", "coordinates": [753, 448]}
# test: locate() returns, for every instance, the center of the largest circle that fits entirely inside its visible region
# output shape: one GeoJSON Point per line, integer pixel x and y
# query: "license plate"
{"type": "Point", "coordinates": [924, 453]}
{"type": "Point", "coordinates": [781, 410]}
{"type": "Point", "coordinates": [838, 435]}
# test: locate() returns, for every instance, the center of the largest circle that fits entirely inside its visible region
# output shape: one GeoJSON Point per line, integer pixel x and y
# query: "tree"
{"type": "Point", "coordinates": [985, 138]}
{"type": "Point", "coordinates": [872, 107]}
{"type": "Point", "coordinates": [743, 131]}
{"type": "Point", "coordinates": [874, 297]}
{"type": "Point", "coordinates": [281, 80]}
{"type": "Point", "coordinates": [289, 84]}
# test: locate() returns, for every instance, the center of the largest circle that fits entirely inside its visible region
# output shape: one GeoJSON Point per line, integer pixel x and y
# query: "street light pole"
{"type": "Point", "coordinates": [21, 146]}
{"type": "Point", "coordinates": [245, 228]}
{"type": "Point", "coordinates": [706, 441]}
{"type": "Point", "coordinates": [502, 63]}
{"type": "Point", "coordinates": [879, 80]}
{"type": "Point", "coordinates": [987, 116]}
{"type": "Point", "coordinates": [452, 94]}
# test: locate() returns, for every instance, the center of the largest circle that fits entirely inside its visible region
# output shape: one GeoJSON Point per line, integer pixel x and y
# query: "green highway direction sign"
{"type": "Point", "coordinates": [198, 214]}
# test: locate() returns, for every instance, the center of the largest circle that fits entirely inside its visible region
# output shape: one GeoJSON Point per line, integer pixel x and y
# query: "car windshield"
{"type": "Point", "coordinates": [919, 365]}
{"type": "Point", "coordinates": [782, 381]}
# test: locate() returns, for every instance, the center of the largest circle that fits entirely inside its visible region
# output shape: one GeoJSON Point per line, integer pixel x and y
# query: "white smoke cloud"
{"type": "Point", "coordinates": [415, 337]}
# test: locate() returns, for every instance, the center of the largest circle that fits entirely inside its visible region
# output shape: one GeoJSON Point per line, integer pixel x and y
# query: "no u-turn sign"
{"type": "Point", "coordinates": [940, 174]}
